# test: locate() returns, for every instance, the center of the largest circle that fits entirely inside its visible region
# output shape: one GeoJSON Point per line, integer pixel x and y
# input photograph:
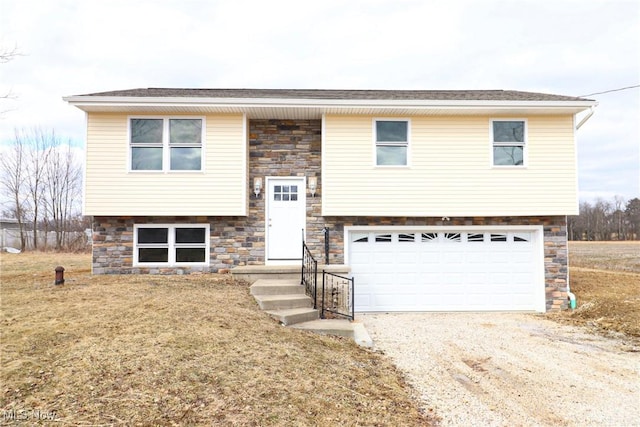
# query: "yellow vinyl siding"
{"type": "Point", "coordinates": [450, 170]}
{"type": "Point", "coordinates": [112, 189]}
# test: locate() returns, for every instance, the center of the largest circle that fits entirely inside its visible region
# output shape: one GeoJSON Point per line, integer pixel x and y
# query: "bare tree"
{"type": "Point", "coordinates": [12, 183]}
{"type": "Point", "coordinates": [42, 179]}
{"type": "Point", "coordinates": [603, 220]}
{"type": "Point", "coordinates": [618, 219]}
{"type": "Point", "coordinates": [6, 55]}
{"type": "Point", "coordinates": [39, 145]}
{"type": "Point", "coordinates": [63, 178]}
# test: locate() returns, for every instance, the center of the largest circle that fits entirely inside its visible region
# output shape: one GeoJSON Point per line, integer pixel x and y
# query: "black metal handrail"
{"type": "Point", "coordinates": [309, 273]}
{"type": "Point", "coordinates": [337, 295]}
{"type": "Point", "coordinates": [325, 231]}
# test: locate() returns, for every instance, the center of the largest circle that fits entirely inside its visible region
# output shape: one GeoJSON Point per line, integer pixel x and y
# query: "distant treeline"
{"type": "Point", "coordinates": [606, 220]}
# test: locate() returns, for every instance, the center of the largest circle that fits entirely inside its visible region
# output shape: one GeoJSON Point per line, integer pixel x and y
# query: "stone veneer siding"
{"type": "Point", "coordinates": [293, 148]}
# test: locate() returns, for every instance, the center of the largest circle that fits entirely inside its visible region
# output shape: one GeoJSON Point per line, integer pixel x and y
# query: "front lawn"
{"type": "Point", "coordinates": [176, 350]}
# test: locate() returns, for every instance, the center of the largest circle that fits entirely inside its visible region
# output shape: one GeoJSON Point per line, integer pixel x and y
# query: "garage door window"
{"type": "Point", "coordinates": [452, 237]}
{"type": "Point", "coordinates": [475, 237]}
{"type": "Point", "coordinates": [383, 237]}
{"type": "Point", "coordinates": [360, 237]}
{"type": "Point", "coordinates": [498, 237]}
{"type": "Point", "coordinates": [429, 237]}
{"type": "Point", "coordinates": [409, 237]}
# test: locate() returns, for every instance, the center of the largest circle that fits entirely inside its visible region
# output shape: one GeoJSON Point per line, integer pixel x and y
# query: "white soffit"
{"type": "Point", "coordinates": [314, 109]}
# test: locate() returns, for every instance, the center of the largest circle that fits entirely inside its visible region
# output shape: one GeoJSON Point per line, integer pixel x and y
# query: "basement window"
{"type": "Point", "coordinates": [171, 245]}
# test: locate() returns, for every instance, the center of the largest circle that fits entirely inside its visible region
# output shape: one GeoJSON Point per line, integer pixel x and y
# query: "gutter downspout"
{"type": "Point", "coordinates": [592, 110]}
{"type": "Point", "coordinates": [570, 295]}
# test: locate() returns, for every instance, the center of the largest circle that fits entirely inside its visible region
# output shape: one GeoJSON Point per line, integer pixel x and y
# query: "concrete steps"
{"type": "Point", "coordinates": [280, 302]}
{"type": "Point", "coordinates": [277, 287]}
{"type": "Point", "coordinates": [285, 300]}
{"type": "Point", "coordinates": [293, 316]}
{"type": "Point", "coordinates": [341, 327]}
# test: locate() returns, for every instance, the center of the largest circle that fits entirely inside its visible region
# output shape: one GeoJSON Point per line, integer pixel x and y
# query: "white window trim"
{"type": "Point", "coordinates": [524, 144]}
{"type": "Point", "coordinates": [171, 245]}
{"type": "Point", "coordinates": [166, 149]}
{"type": "Point", "coordinates": [397, 144]}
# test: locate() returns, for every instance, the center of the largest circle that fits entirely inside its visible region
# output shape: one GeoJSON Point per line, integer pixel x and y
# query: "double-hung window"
{"type": "Point", "coordinates": [392, 142]}
{"type": "Point", "coordinates": [509, 140]}
{"type": "Point", "coordinates": [166, 144]}
{"type": "Point", "coordinates": [185, 244]}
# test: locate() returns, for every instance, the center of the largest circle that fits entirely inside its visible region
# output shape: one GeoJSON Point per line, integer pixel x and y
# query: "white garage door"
{"type": "Point", "coordinates": [450, 270]}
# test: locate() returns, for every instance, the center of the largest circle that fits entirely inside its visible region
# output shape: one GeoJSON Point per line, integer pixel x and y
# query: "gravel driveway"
{"type": "Point", "coordinates": [508, 369]}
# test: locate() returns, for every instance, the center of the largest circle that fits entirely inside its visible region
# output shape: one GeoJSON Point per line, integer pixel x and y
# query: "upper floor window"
{"type": "Point", "coordinates": [509, 138]}
{"type": "Point", "coordinates": [166, 144]}
{"type": "Point", "coordinates": [392, 142]}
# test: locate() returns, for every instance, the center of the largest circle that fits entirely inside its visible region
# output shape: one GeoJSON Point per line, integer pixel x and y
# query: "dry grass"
{"type": "Point", "coordinates": [615, 256]}
{"type": "Point", "coordinates": [605, 276]}
{"type": "Point", "coordinates": [177, 350]}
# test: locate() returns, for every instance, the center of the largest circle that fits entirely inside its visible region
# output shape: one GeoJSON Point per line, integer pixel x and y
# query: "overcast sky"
{"type": "Point", "coordinates": [565, 47]}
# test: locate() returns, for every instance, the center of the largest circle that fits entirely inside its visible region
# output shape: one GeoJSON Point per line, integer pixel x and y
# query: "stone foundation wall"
{"type": "Point", "coordinates": [233, 241]}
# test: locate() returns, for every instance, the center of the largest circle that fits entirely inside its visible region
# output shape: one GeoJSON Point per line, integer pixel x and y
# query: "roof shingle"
{"type": "Point", "coordinates": [332, 94]}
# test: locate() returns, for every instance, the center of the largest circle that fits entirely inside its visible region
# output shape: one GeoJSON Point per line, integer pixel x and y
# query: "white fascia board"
{"type": "Point", "coordinates": [123, 101]}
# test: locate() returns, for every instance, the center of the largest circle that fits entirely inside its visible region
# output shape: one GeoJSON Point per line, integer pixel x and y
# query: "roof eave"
{"type": "Point", "coordinates": [302, 102]}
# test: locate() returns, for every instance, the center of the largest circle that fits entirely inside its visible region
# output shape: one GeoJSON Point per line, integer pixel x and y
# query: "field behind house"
{"type": "Point", "coordinates": [605, 276]}
{"type": "Point", "coordinates": [175, 350]}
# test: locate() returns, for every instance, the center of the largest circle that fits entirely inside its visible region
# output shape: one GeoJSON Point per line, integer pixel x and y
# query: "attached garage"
{"type": "Point", "coordinates": [447, 268]}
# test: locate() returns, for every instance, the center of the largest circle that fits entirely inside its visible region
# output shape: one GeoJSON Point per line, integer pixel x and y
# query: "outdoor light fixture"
{"type": "Point", "coordinates": [257, 186]}
{"type": "Point", "coordinates": [313, 185]}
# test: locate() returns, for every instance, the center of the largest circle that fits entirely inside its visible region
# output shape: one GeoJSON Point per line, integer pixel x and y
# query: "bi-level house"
{"type": "Point", "coordinates": [434, 200]}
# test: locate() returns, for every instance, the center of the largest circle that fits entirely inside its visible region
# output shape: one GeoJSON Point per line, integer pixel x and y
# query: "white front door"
{"type": "Point", "coordinates": [285, 219]}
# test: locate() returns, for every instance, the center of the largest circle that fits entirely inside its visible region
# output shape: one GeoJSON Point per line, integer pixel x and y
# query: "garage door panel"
{"type": "Point", "coordinates": [413, 270]}
{"type": "Point", "coordinates": [521, 258]}
{"type": "Point", "coordinates": [496, 279]}
{"type": "Point", "coordinates": [451, 256]}
{"type": "Point", "coordinates": [361, 257]}
{"type": "Point", "coordinates": [476, 257]}
{"type": "Point", "coordinates": [407, 258]}
{"type": "Point", "coordinates": [407, 280]}
{"type": "Point", "coordinates": [430, 278]}
{"type": "Point", "coordinates": [521, 279]}
{"type": "Point", "coordinates": [453, 279]}
{"type": "Point", "coordinates": [385, 258]}
{"type": "Point", "coordinates": [362, 302]}
{"type": "Point", "coordinates": [476, 280]}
